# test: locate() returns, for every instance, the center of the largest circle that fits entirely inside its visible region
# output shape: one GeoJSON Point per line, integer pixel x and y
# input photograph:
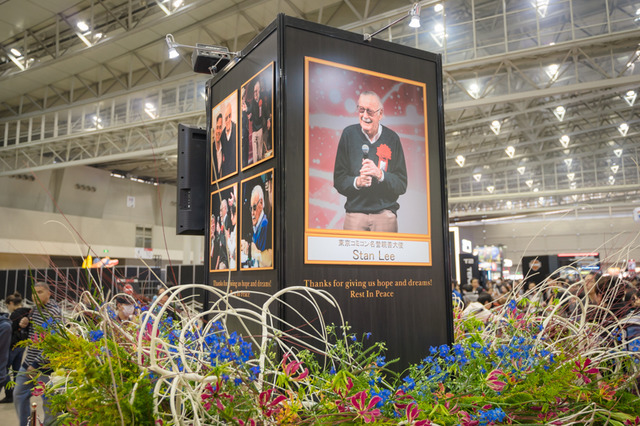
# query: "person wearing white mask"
{"type": "Point", "coordinates": [125, 308]}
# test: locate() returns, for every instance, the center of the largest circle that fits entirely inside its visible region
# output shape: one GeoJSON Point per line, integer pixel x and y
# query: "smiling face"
{"type": "Point", "coordinates": [371, 113]}
{"type": "Point", "coordinates": [218, 130]}
{"type": "Point", "coordinates": [256, 208]}
{"type": "Point", "coordinates": [227, 118]}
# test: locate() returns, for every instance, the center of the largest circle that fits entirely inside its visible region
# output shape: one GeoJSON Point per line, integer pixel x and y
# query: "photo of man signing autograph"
{"type": "Point", "coordinates": [370, 169]}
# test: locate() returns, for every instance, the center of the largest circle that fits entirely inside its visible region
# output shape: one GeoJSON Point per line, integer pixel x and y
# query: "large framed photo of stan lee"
{"type": "Point", "coordinates": [367, 167]}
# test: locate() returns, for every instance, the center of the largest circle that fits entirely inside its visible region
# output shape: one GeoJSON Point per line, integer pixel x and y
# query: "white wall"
{"type": "Point", "coordinates": [50, 216]}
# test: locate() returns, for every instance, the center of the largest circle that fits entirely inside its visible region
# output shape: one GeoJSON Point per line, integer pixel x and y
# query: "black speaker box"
{"type": "Point", "coordinates": [192, 180]}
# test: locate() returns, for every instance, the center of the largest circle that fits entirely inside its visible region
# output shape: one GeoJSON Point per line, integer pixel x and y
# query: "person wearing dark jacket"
{"type": "Point", "coordinates": [19, 317]}
{"type": "Point", "coordinates": [370, 170]}
{"type": "Point", "coordinates": [5, 344]}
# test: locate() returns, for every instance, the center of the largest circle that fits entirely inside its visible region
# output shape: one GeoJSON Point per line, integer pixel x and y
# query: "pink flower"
{"type": "Point", "coordinates": [268, 406]}
{"type": "Point", "coordinates": [38, 389]}
{"type": "Point", "coordinates": [212, 394]}
{"type": "Point", "coordinates": [465, 419]}
{"type": "Point", "coordinates": [249, 422]}
{"type": "Point", "coordinates": [366, 411]}
{"type": "Point", "coordinates": [636, 422]}
{"type": "Point", "coordinates": [403, 400]}
{"type": "Point", "coordinates": [291, 368]}
{"type": "Point", "coordinates": [582, 370]}
{"type": "Point", "coordinates": [412, 414]}
{"type": "Point", "coordinates": [494, 382]}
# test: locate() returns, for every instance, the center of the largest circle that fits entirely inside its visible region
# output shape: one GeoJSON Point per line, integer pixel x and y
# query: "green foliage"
{"type": "Point", "coordinates": [516, 370]}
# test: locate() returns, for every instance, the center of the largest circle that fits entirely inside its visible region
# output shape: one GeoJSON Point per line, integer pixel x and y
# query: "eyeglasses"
{"type": "Point", "coordinates": [254, 207]}
{"type": "Point", "coordinates": [362, 110]}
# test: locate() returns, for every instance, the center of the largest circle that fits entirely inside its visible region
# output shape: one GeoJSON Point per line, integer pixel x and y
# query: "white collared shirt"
{"type": "Point", "coordinates": [375, 137]}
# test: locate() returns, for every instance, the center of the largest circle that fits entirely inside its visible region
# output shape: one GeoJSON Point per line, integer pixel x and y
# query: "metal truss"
{"type": "Point", "coordinates": [513, 62]}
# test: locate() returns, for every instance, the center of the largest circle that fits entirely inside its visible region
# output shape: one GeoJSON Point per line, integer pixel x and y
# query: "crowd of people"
{"type": "Point", "coordinates": [600, 298]}
{"type": "Point", "coordinates": [20, 365]}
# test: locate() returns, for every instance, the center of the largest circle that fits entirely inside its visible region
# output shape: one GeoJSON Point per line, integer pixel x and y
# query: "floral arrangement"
{"type": "Point", "coordinates": [529, 364]}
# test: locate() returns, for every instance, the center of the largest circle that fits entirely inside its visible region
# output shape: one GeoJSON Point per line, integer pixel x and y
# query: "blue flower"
{"type": "Point", "coordinates": [444, 350]}
{"type": "Point", "coordinates": [409, 384]}
{"type": "Point", "coordinates": [367, 335]}
{"type": "Point", "coordinates": [384, 395]}
{"type": "Point", "coordinates": [96, 335]}
{"type": "Point", "coordinates": [237, 381]}
{"type": "Point", "coordinates": [353, 338]}
{"type": "Point", "coordinates": [332, 371]}
{"type": "Point", "coordinates": [458, 350]}
{"type": "Point", "coordinates": [380, 361]}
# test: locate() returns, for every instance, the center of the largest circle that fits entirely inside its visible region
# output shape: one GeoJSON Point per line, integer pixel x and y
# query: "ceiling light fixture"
{"type": "Point", "coordinates": [474, 90]}
{"type": "Point", "coordinates": [559, 112]}
{"type": "Point", "coordinates": [150, 109]}
{"type": "Point", "coordinates": [571, 176]}
{"type": "Point", "coordinates": [414, 14]}
{"type": "Point", "coordinates": [521, 169]}
{"type": "Point", "coordinates": [618, 152]}
{"type": "Point", "coordinates": [568, 162]}
{"type": "Point", "coordinates": [541, 7]}
{"type": "Point", "coordinates": [552, 71]}
{"type": "Point", "coordinates": [477, 177]}
{"type": "Point", "coordinates": [438, 8]}
{"type": "Point", "coordinates": [460, 160]}
{"type": "Point", "coordinates": [612, 180]}
{"type": "Point", "coordinates": [623, 128]}
{"type": "Point", "coordinates": [511, 151]}
{"type": "Point", "coordinates": [491, 189]}
{"type": "Point", "coordinates": [495, 127]}
{"type": "Point", "coordinates": [438, 34]}
{"type": "Point", "coordinates": [615, 168]}
{"type": "Point", "coordinates": [630, 97]}
{"type": "Point", "coordinates": [82, 26]}
{"type": "Point", "coordinates": [573, 185]}
{"type": "Point", "coordinates": [206, 58]}
{"type": "Point", "coordinates": [177, 3]}
{"type": "Point", "coordinates": [15, 52]}
{"type": "Point", "coordinates": [529, 183]}
{"type": "Point", "coordinates": [564, 140]}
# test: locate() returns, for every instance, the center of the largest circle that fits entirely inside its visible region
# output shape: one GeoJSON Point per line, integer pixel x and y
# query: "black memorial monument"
{"type": "Point", "coordinates": [291, 115]}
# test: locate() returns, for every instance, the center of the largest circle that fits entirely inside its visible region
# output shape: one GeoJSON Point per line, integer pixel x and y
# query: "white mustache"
{"type": "Point", "coordinates": [366, 120]}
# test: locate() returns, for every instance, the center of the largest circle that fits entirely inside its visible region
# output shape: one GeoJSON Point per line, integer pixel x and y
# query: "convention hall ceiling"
{"type": "Point", "coordinates": [540, 95]}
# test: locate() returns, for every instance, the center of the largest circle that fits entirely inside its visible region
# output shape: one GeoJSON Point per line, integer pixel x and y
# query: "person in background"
{"type": "Point", "coordinates": [471, 292]}
{"type": "Point", "coordinates": [35, 361]}
{"type": "Point", "coordinates": [125, 308]}
{"type": "Point", "coordinates": [457, 295]}
{"type": "Point", "coordinates": [19, 332]}
{"type": "Point", "coordinates": [480, 308]}
{"type": "Point", "coordinates": [5, 345]}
